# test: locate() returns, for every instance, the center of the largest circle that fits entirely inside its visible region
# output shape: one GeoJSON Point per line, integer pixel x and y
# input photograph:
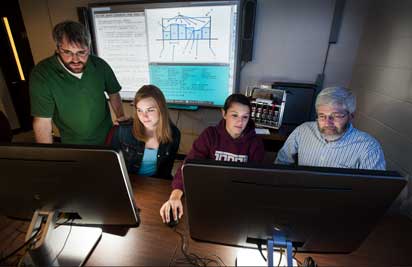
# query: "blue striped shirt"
{"type": "Point", "coordinates": [355, 149]}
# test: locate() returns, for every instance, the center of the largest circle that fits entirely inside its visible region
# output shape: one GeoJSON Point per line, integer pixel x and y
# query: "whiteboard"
{"type": "Point", "coordinates": [189, 50]}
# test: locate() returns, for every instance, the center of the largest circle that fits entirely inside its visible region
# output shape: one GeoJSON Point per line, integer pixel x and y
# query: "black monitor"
{"type": "Point", "coordinates": [314, 209]}
{"type": "Point", "coordinates": [300, 102]}
{"type": "Point", "coordinates": [79, 185]}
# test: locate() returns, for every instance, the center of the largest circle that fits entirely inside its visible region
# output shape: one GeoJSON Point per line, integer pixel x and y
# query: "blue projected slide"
{"type": "Point", "coordinates": [187, 48]}
{"type": "Point", "coordinates": [204, 85]}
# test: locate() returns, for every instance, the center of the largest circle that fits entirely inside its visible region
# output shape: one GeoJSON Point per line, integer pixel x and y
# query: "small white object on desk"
{"type": "Point", "coordinates": [252, 257]}
{"type": "Point", "coordinates": [262, 131]}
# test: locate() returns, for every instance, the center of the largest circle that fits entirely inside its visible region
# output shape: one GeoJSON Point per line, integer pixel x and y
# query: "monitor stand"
{"type": "Point", "coordinates": [59, 245]}
{"type": "Point", "coordinates": [279, 240]}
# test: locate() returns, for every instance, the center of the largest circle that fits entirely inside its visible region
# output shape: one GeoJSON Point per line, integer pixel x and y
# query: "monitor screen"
{"type": "Point", "coordinates": [89, 181]}
{"type": "Point", "coordinates": [324, 210]}
{"type": "Point", "coordinates": [187, 49]}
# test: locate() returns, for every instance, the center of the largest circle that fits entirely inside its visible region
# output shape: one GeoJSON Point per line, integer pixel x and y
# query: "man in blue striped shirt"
{"type": "Point", "coordinates": [332, 141]}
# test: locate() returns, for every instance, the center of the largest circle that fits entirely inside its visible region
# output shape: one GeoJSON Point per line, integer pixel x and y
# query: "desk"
{"type": "Point", "coordinates": [153, 243]}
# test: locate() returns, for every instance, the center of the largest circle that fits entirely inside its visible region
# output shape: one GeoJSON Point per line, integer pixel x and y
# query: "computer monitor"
{"type": "Point", "coordinates": [300, 102]}
{"type": "Point", "coordinates": [321, 210]}
{"type": "Point", "coordinates": [85, 185]}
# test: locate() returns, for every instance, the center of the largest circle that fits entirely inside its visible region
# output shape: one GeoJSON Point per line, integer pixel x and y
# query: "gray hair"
{"type": "Point", "coordinates": [75, 32]}
{"type": "Point", "coordinates": [337, 96]}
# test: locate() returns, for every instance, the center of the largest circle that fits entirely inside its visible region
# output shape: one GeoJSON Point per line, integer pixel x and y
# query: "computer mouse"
{"type": "Point", "coordinates": [172, 222]}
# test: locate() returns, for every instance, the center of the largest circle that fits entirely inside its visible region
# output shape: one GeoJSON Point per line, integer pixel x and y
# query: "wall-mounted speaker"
{"type": "Point", "coordinates": [248, 9]}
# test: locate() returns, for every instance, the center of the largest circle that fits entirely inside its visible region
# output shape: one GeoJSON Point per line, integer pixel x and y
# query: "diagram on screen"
{"type": "Point", "coordinates": [190, 30]}
{"type": "Point", "coordinates": [190, 35]}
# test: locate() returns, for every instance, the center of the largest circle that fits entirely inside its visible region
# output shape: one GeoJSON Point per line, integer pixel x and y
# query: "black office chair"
{"type": "Point", "coordinates": [5, 129]}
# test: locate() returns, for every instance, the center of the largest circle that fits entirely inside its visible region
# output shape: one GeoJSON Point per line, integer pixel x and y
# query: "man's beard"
{"type": "Point", "coordinates": [77, 70]}
{"type": "Point", "coordinates": [336, 132]}
{"type": "Point", "coordinates": [67, 65]}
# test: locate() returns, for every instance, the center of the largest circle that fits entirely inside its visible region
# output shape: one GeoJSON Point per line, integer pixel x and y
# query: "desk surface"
{"type": "Point", "coordinates": [153, 243]}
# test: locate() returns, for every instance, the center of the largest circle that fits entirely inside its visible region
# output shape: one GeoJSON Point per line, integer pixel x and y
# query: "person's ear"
{"type": "Point", "coordinates": [351, 116]}
{"type": "Point", "coordinates": [223, 113]}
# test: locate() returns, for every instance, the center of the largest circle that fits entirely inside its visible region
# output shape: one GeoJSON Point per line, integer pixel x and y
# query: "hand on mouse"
{"type": "Point", "coordinates": [175, 204]}
{"type": "Point", "coordinates": [173, 222]}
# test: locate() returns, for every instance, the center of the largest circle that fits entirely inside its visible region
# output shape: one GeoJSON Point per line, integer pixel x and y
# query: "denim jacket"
{"type": "Point", "coordinates": [133, 150]}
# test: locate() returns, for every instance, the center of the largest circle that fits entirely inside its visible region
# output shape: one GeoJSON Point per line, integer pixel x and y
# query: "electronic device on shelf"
{"type": "Point", "coordinates": [268, 106]}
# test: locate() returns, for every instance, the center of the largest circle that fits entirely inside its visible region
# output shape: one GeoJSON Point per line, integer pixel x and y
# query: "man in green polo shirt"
{"type": "Point", "coordinates": [68, 88]}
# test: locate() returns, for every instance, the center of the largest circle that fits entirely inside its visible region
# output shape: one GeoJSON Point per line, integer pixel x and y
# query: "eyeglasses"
{"type": "Point", "coordinates": [68, 53]}
{"type": "Point", "coordinates": [334, 116]}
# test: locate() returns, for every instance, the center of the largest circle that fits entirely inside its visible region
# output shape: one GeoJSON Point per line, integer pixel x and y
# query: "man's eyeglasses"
{"type": "Point", "coordinates": [68, 53]}
{"type": "Point", "coordinates": [333, 116]}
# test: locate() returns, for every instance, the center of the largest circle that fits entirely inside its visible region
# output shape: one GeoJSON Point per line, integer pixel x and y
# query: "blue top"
{"type": "Point", "coordinates": [149, 162]}
{"type": "Point", "coordinates": [355, 149]}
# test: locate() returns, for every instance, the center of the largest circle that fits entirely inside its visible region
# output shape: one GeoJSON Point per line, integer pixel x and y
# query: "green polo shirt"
{"type": "Point", "coordinates": [78, 107]}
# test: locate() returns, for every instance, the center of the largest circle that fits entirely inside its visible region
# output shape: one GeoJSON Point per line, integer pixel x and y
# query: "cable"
{"type": "Point", "coordinates": [326, 59]}
{"type": "Point", "coordinates": [27, 243]}
{"type": "Point", "coordinates": [16, 230]}
{"type": "Point", "coordinates": [49, 14]}
{"type": "Point", "coordinates": [66, 221]}
{"type": "Point", "coordinates": [243, 64]}
{"type": "Point", "coordinates": [174, 253]}
{"type": "Point", "coordinates": [280, 256]}
{"type": "Point", "coordinates": [259, 245]}
{"type": "Point", "coordinates": [293, 256]}
{"type": "Point", "coordinates": [183, 249]}
{"type": "Point", "coordinates": [192, 258]}
{"type": "Point", "coordinates": [21, 247]}
{"type": "Point", "coordinates": [219, 259]}
{"type": "Point", "coordinates": [20, 262]}
{"type": "Point", "coordinates": [65, 241]}
{"type": "Point", "coordinates": [12, 240]}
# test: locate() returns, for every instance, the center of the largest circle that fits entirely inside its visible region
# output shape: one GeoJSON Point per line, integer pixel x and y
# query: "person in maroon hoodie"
{"type": "Point", "coordinates": [233, 139]}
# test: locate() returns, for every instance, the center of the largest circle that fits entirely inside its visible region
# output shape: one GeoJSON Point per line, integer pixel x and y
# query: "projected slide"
{"type": "Point", "coordinates": [191, 84]}
{"type": "Point", "coordinates": [187, 49]}
{"type": "Point", "coordinates": [189, 34]}
{"type": "Point", "coordinates": [121, 41]}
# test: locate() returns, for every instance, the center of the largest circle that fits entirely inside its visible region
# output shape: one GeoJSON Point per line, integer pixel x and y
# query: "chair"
{"type": "Point", "coordinates": [109, 136]}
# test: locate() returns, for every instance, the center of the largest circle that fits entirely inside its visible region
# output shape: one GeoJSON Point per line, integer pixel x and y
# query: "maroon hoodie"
{"type": "Point", "coordinates": [215, 143]}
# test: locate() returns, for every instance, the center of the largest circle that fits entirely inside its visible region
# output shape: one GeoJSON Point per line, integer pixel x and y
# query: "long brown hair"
{"type": "Point", "coordinates": [163, 130]}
